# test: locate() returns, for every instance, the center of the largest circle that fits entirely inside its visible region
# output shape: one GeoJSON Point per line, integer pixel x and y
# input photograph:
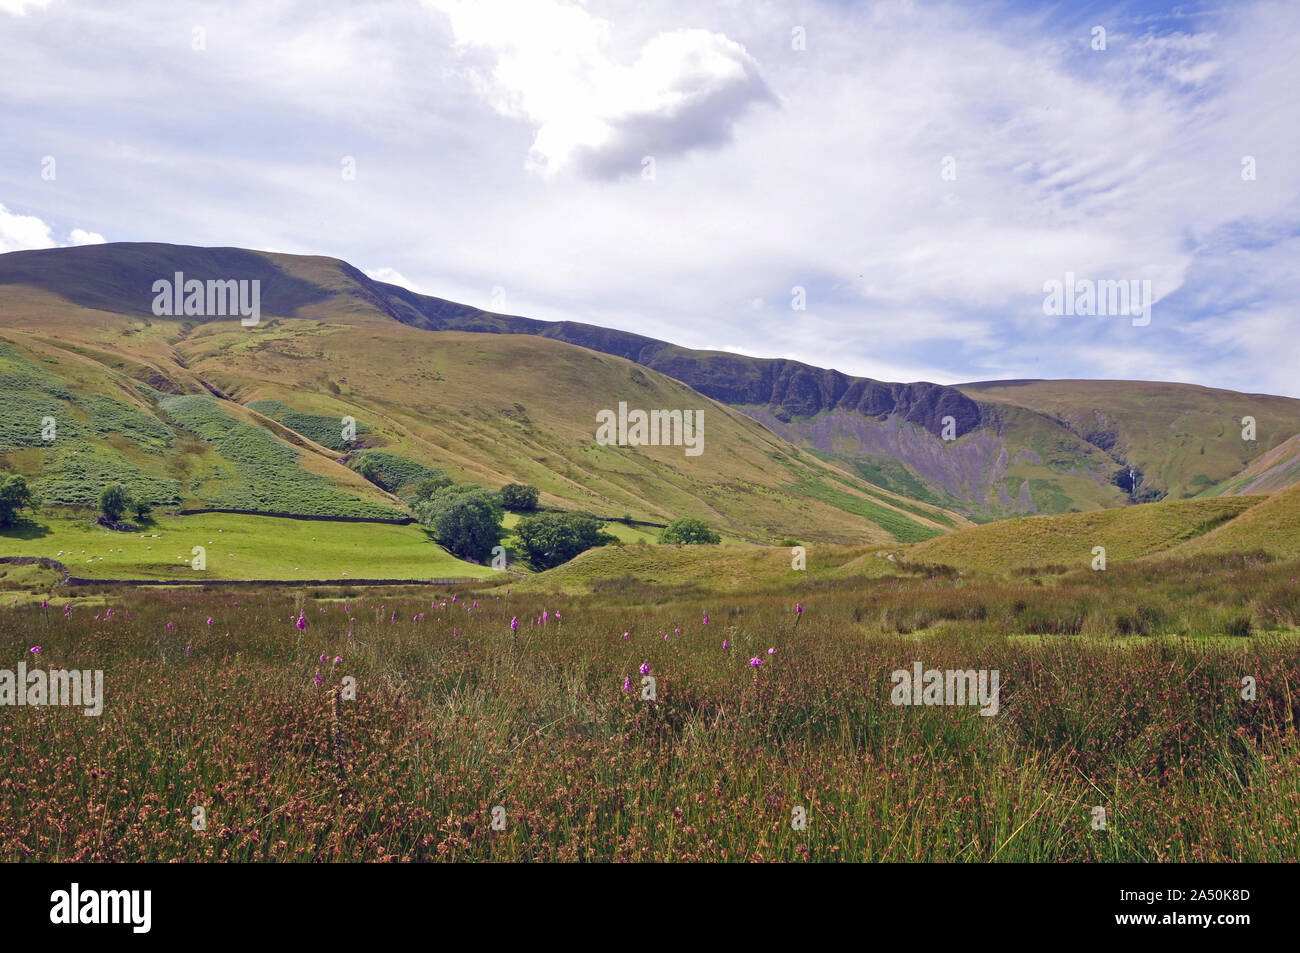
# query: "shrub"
{"type": "Point", "coordinates": [394, 473]}
{"type": "Point", "coordinates": [114, 501]}
{"type": "Point", "coordinates": [549, 539]}
{"type": "Point", "coordinates": [519, 497]}
{"type": "Point", "coordinates": [15, 496]}
{"type": "Point", "coordinates": [465, 519]}
{"type": "Point", "coordinates": [688, 530]}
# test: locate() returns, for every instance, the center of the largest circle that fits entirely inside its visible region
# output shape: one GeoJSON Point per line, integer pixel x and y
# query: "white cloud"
{"type": "Point", "coordinates": [20, 232]}
{"type": "Point", "coordinates": [80, 237]}
{"type": "Point", "coordinates": [393, 277]}
{"type": "Point", "coordinates": [556, 65]}
{"type": "Point", "coordinates": [23, 232]}
{"type": "Point", "coordinates": [19, 8]}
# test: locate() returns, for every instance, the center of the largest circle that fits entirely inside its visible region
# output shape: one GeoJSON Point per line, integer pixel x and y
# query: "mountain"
{"type": "Point", "coordinates": [1019, 447]}
{"type": "Point", "coordinates": [207, 413]}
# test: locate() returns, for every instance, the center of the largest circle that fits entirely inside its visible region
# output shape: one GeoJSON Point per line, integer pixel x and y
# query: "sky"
{"type": "Point", "coordinates": [884, 188]}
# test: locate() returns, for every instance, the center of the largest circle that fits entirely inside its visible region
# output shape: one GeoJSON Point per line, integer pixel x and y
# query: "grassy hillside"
{"type": "Point", "coordinates": [212, 414]}
{"type": "Point", "coordinates": [612, 570]}
{"type": "Point", "coordinates": [498, 409]}
{"type": "Point", "coordinates": [1047, 544]}
{"type": "Point", "coordinates": [1272, 527]}
{"type": "Point", "coordinates": [435, 383]}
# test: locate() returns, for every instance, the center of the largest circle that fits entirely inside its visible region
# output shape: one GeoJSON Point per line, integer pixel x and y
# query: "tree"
{"type": "Point", "coordinates": [688, 530]}
{"type": "Point", "coordinates": [426, 488]}
{"type": "Point", "coordinates": [549, 539]}
{"type": "Point", "coordinates": [14, 496]}
{"type": "Point", "coordinates": [519, 496]}
{"type": "Point", "coordinates": [368, 469]}
{"type": "Point", "coordinates": [142, 509]}
{"type": "Point", "coordinates": [114, 502]}
{"type": "Point", "coordinates": [466, 519]}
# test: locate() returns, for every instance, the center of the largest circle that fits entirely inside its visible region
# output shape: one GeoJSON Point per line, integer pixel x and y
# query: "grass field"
{"type": "Point", "coordinates": [240, 547]}
{"type": "Point", "coordinates": [1120, 691]}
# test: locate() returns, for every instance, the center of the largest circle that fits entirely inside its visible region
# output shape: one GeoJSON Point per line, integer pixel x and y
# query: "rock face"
{"type": "Point", "coordinates": [803, 391]}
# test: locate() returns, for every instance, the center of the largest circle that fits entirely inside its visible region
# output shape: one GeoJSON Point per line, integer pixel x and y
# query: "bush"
{"type": "Point", "coordinates": [395, 473]}
{"type": "Point", "coordinates": [550, 539]}
{"type": "Point", "coordinates": [368, 470]}
{"type": "Point", "coordinates": [688, 530]}
{"type": "Point", "coordinates": [15, 495]}
{"type": "Point", "coordinates": [519, 497]}
{"type": "Point", "coordinates": [114, 502]}
{"type": "Point", "coordinates": [465, 519]}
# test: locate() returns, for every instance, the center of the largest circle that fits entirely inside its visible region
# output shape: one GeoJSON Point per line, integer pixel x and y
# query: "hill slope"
{"type": "Point", "coordinates": [1020, 447]}
{"type": "Point", "coordinates": [208, 413]}
{"type": "Point", "coordinates": [1178, 440]}
{"type": "Point", "coordinates": [1047, 544]}
{"type": "Point", "coordinates": [1272, 527]}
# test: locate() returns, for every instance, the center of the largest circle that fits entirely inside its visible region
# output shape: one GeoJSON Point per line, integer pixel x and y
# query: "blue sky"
{"type": "Point", "coordinates": [500, 153]}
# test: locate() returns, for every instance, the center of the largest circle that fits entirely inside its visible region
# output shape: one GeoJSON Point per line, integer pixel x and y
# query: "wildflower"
{"type": "Point", "coordinates": [724, 645]}
{"type": "Point", "coordinates": [798, 608]}
{"type": "Point", "coordinates": [337, 659]}
{"type": "Point", "coordinates": [756, 662]}
{"type": "Point", "coordinates": [35, 650]}
{"type": "Point", "coordinates": [455, 632]}
{"type": "Point", "coordinates": [771, 651]}
{"type": "Point", "coordinates": [514, 624]}
{"type": "Point", "coordinates": [318, 678]}
{"type": "Point", "coordinates": [627, 684]}
{"type": "Point", "coordinates": [645, 668]}
{"type": "Point", "coordinates": [557, 613]}
{"type": "Point", "coordinates": [322, 656]}
{"type": "Point", "coordinates": [626, 634]}
{"type": "Point", "coordinates": [45, 603]}
{"type": "Point", "coordinates": [677, 630]}
{"type": "Point", "coordinates": [209, 620]}
{"type": "Point", "coordinates": [301, 623]}
{"type": "Point", "coordinates": [665, 636]}
{"type": "Point", "coordinates": [706, 618]}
